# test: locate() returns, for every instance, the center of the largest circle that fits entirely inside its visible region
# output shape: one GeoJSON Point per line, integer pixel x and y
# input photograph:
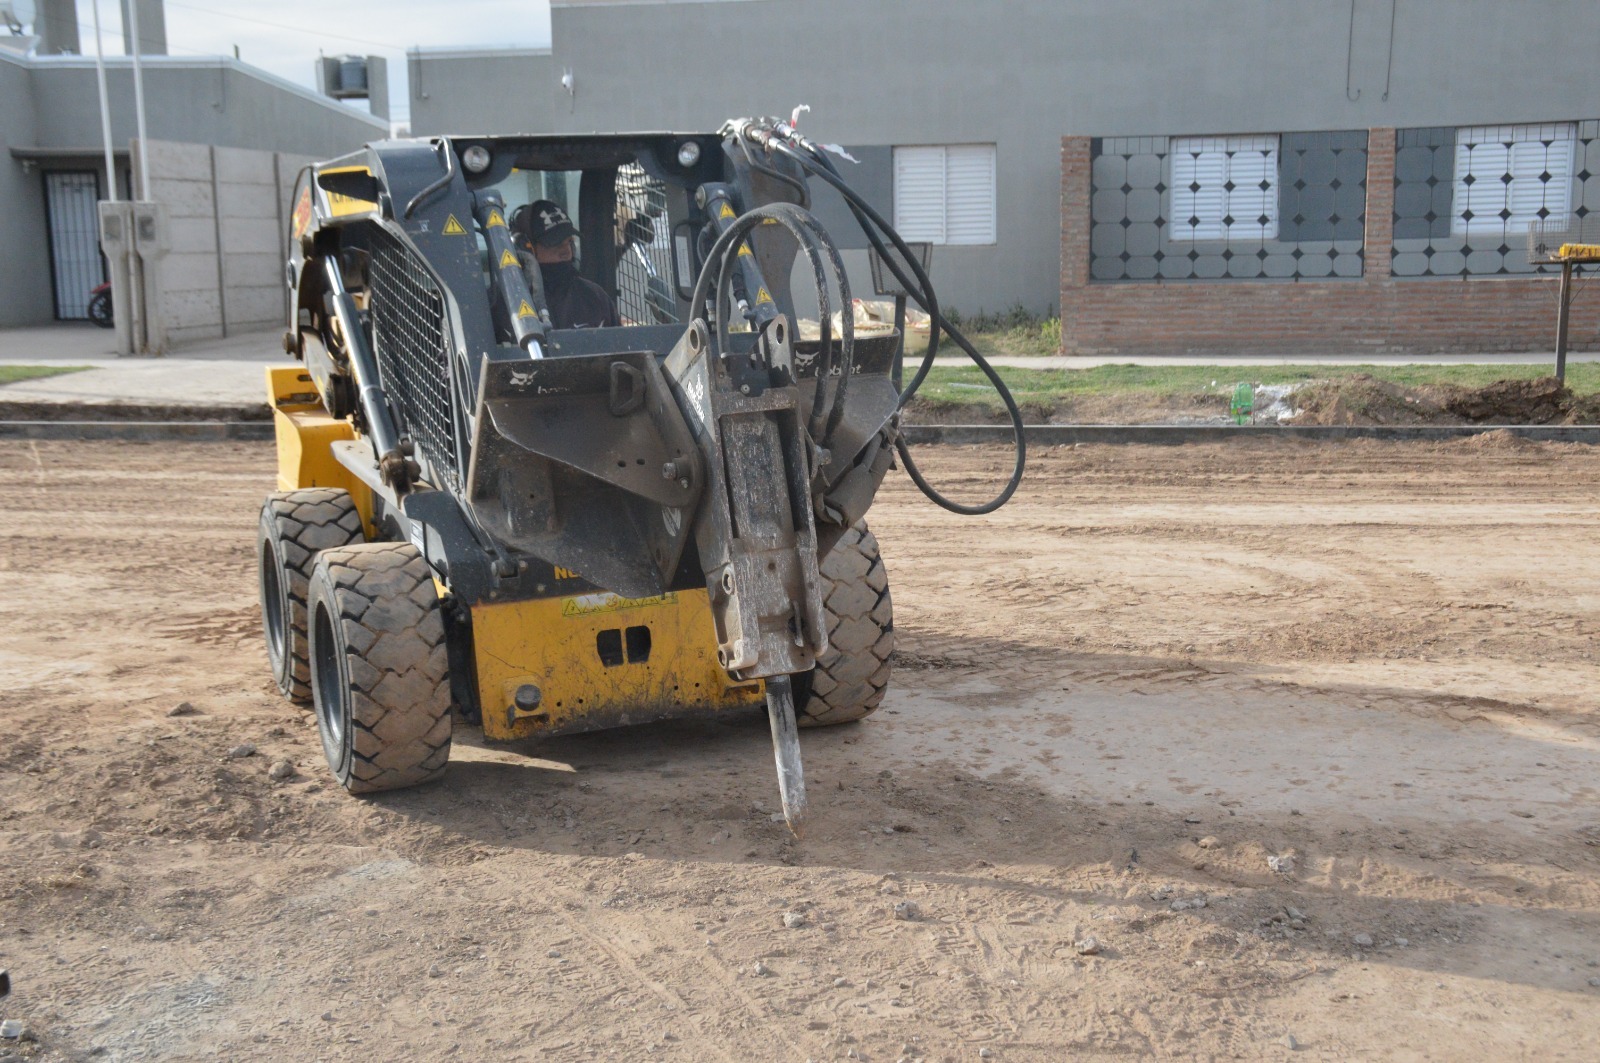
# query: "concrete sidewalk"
{"type": "Point", "coordinates": [229, 371]}
{"type": "Point", "coordinates": [225, 372]}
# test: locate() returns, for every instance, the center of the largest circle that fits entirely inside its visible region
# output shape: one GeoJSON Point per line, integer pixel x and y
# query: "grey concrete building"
{"type": "Point", "coordinates": [968, 103]}
{"type": "Point", "coordinates": [52, 164]}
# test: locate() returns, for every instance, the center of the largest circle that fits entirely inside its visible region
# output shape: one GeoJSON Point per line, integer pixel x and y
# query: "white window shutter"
{"type": "Point", "coordinates": [1199, 170]}
{"type": "Point", "coordinates": [1486, 203]}
{"type": "Point", "coordinates": [945, 194]}
{"type": "Point", "coordinates": [1203, 167]}
{"type": "Point", "coordinates": [919, 194]}
{"type": "Point", "coordinates": [969, 194]}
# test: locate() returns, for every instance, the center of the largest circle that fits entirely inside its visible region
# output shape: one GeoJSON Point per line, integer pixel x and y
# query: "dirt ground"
{"type": "Point", "coordinates": [1117, 700]}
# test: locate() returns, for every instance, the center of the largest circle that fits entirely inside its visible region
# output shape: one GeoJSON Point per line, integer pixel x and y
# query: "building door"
{"type": "Point", "coordinates": [76, 266]}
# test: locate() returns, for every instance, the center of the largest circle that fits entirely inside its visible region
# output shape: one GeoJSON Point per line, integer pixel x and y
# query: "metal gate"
{"type": "Point", "coordinates": [76, 266]}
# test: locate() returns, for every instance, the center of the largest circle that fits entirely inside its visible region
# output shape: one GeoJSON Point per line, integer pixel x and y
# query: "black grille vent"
{"type": "Point", "coordinates": [412, 344]}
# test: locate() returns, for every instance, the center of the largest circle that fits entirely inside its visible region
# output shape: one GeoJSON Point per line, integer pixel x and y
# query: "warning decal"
{"type": "Point", "coordinates": [526, 311]}
{"type": "Point", "coordinates": [302, 213]}
{"type": "Point", "coordinates": [496, 219]}
{"type": "Point", "coordinates": [744, 249]}
{"type": "Point", "coordinates": [508, 259]}
{"type": "Point", "coordinates": [726, 212]}
{"type": "Point", "coordinates": [453, 227]}
{"type": "Point", "coordinates": [763, 296]}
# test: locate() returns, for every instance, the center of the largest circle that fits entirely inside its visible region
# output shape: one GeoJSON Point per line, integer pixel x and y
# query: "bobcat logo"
{"type": "Point", "coordinates": [521, 380]}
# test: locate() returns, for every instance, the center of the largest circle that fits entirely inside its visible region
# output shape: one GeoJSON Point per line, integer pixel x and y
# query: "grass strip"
{"type": "Point", "coordinates": [966, 384]}
{"type": "Point", "coordinates": [10, 374]}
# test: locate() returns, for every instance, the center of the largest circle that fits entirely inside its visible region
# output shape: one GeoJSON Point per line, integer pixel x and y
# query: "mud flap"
{"type": "Point", "coordinates": [586, 462]}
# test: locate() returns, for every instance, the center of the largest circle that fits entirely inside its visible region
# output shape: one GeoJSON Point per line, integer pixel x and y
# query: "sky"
{"type": "Point", "coordinates": [284, 37]}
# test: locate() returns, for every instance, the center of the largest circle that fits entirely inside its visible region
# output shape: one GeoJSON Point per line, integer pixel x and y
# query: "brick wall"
{"type": "Point", "coordinates": [1373, 314]}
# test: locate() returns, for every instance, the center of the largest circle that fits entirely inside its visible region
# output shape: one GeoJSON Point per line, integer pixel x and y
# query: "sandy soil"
{"type": "Point", "coordinates": [1117, 698]}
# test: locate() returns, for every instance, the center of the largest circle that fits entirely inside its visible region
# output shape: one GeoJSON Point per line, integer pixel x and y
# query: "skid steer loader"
{"type": "Point", "coordinates": [485, 518]}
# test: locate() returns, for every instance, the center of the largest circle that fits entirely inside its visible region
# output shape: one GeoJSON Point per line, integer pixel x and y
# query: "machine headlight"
{"type": "Point", "coordinates": [475, 158]}
{"type": "Point", "coordinates": [688, 153]}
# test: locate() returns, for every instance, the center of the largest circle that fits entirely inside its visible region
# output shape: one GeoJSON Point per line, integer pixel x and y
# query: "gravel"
{"type": "Point", "coordinates": [241, 751]}
{"type": "Point", "coordinates": [907, 910]}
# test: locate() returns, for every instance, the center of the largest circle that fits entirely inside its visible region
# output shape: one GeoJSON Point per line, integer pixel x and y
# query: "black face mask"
{"type": "Point", "coordinates": [558, 275]}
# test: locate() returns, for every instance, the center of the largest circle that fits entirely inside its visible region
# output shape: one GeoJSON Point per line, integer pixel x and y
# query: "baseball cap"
{"type": "Point", "coordinates": [544, 222]}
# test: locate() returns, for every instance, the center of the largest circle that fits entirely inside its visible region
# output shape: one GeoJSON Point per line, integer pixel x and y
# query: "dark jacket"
{"type": "Point", "coordinates": [573, 301]}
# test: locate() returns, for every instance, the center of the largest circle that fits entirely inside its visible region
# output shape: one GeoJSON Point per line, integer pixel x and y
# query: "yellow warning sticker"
{"type": "Point", "coordinates": [453, 227]}
{"type": "Point", "coordinates": [496, 219]}
{"type": "Point", "coordinates": [727, 212]}
{"type": "Point", "coordinates": [526, 311]}
{"type": "Point", "coordinates": [763, 296]}
{"type": "Point", "coordinates": [508, 259]}
{"type": "Point", "coordinates": [744, 249]}
{"type": "Point", "coordinates": [607, 602]}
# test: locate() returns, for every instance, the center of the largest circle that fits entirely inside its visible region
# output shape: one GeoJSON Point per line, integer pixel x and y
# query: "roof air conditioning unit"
{"type": "Point", "coordinates": [344, 77]}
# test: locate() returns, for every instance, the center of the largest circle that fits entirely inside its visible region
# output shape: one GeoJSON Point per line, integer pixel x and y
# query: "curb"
{"type": "Point", "coordinates": [1062, 434]}
{"type": "Point", "coordinates": [140, 431]}
{"type": "Point", "coordinates": [958, 434]}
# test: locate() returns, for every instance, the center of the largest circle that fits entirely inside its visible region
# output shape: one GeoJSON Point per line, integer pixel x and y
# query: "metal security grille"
{"type": "Point", "coordinates": [1303, 197]}
{"type": "Point", "coordinates": [644, 250]}
{"type": "Point", "coordinates": [412, 343]}
{"type": "Point", "coordinates": [1493, 200]}
{"type": "Point", "coordinates": [75, 263]}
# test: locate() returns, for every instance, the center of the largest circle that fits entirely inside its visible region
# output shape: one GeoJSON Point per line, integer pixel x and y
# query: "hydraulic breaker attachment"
{"type": "Point", "coordinates": [586, 462]}
{"type": "Point", "coordinates": [755, 532]}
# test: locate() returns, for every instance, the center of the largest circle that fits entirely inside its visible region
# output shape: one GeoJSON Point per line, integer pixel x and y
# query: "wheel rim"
{"type": "Point", "coordinates": [272, 604]}
{"type": "Point", "coordinates": [328, 686]}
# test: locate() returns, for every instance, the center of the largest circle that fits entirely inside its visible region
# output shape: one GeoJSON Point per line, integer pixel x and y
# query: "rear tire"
{"type": "Point", "coordinates": [850, 680]}
{"type": "Point", "coordinates": [380, 675]}
{"type": "Point", "coordinates": [295, 527]}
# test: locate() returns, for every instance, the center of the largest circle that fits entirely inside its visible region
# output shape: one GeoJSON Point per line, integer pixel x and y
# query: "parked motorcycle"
{"type": "Point", "coordinates": [100, 305]}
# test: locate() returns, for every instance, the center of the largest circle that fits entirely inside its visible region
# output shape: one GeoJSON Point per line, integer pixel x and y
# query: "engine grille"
{"type": "Point", "coordinates": [412, 345]}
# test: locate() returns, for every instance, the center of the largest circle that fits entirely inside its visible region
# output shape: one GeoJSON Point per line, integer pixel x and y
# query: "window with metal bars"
{"type": "Point", "coordinates": [1162, 207]}
{"type": "Point", "coordinates": [1493, 200]}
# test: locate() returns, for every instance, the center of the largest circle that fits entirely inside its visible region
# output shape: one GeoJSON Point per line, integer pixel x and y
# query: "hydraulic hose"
{"type": "Point", "coordinates": [808, 232]}
{"type": "Point", "coordinates": [921, 290]}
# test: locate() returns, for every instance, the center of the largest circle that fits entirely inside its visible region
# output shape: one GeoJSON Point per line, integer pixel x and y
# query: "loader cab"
{"type": "Point", "coordinates": [632, 200]}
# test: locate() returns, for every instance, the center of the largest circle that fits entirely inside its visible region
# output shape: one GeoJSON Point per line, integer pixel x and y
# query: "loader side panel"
{"type": "Point", "coordinates": [305, 434]}
{"type": "Point", "coordinates": [599, 660]}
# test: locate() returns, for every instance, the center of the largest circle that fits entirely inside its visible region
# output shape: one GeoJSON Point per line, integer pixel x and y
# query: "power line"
{"type": "Point", "coordinates": [286, 26]}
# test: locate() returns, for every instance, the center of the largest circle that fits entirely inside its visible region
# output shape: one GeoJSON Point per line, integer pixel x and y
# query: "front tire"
{"type": "Point", "coordinates": [850, 680]}
{"type": "Point", "coordinates": [380, 679]}
{"type": "Point", "coordinates": [295, 527]}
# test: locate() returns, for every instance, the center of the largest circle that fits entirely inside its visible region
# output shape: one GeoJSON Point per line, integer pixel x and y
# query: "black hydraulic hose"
{"type": "Point", "coordinates": [922, 291]}
{"type": "Point", "coordinates": [822, 428]}
{"type": "Point", "coordinates": [808, 232]}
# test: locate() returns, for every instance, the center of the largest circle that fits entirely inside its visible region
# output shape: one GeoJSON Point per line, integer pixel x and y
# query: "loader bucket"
{"type": "Point", "coordinates": [585, 461]}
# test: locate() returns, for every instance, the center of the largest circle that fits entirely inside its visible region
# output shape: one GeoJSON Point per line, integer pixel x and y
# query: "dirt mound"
{"type": "Point", "coordinates": [1363, 399]}
{"type": "Point", "coordinates": [1542, 401]}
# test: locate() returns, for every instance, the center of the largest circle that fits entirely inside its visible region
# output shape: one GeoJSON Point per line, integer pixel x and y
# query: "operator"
{"type": "Point", "coordinates": [546, 239]}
